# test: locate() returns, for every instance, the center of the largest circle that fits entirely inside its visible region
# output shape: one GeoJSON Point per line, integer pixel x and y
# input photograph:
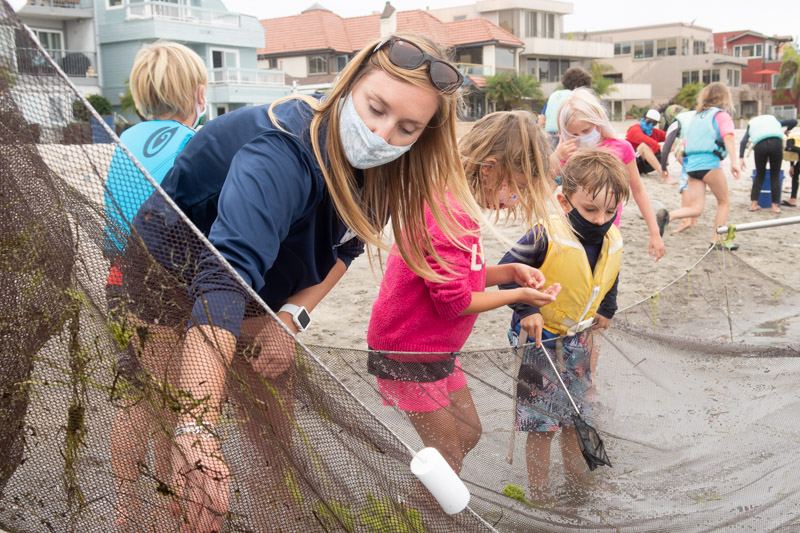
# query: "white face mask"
{"type": "Point", "coordinates": [363, 148]}
{"type": "Point", "coordinates": [589, 140]}
{"type": "Point", "coordinates": [200, 112]}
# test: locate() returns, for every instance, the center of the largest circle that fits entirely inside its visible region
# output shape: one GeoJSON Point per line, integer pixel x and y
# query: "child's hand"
{"type": "Point", "coordinates": [527, 276]}
{"type": "Point", "coordinates": [601, 322]}
{"type": "Point", "coordinates": [532, 325]}
{"type": "Point", "coordinates": [735, 171]}
{"type": "Point", "coordinates": [540, 298]}
{"type": "Point", "coordinates": [566, 148]}
{"type": "Point", "coordinates": [657, 248]}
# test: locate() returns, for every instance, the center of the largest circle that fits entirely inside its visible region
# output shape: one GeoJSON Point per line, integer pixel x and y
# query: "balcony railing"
{"type": "Point", "coordinates": [182, 13]}
{"type": "Point", "coordinates": [71, 4]}
{"type": "Point", "coordinates": [474, 69]}
{"type": "Point", "coordinates": [237, 76]}
{"type": "Point", "coordinates": [74, 63]}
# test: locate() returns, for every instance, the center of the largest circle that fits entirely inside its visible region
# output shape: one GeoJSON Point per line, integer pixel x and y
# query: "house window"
{"type": "Point", "coordinates": [317, 65]}
{"type": "Point", "coordinates": [51, 41]}
{"type": "Point", "coordinates": [642, 49]}
{"type": "Point", "coordinates": [734, 78]}
{"type": "Point", "coordinates": [685, 47]}
{"type": "Point", "coordinates": [272, 63]}
{"type": "Point", "coordinates": [532, 24]}
{"type": "Point", "coordinates": [699, 48]}
{"type": "Point", "coordinates": [690, 76]}
{"type": "Point", "coordinates": [459, 17]}
{"type": "Point", "coordinates": [622, 49]}
{"type": "Point", "coordinates": [551, 25]}
{"type": "Point", "coordinates": [113, 4]}
{"type": "Point", "coordinates": [747, 50]}
{"type": "Point", "coordinates": [509, 21]}
{"type": "Point", "coordinates": [710, 75]}
{"type": "Point", "coordinates": [339, 62]}
{"type": "Point", "coordinates": [224, 58]}
{"type": "Point", "coordinates": [667, 47]}
{"type": "Point", "coordinates": [504, 58]}
{"type": "Point", "coordinates": [770, 56]}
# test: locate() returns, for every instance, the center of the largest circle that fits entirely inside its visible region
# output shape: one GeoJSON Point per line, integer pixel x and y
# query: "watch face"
{"type": "Point", "coordinates": [303, 318]}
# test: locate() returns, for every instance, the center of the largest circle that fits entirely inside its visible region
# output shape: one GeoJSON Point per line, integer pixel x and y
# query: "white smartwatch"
{"type": "Point", "coordinates": [300, 316]}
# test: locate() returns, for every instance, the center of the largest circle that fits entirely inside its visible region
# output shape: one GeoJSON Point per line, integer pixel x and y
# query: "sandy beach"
{"type": "Point", "coordinates": [342, 318]}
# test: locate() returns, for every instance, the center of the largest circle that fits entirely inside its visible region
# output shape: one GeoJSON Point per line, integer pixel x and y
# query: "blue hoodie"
{"type": "Point", "coordinates": [259, 195]}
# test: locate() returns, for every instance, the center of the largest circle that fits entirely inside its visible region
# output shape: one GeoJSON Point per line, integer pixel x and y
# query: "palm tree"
{"type": "Point", "coordinates": [789, 76]}
{"type": "Point", "coordinates": [600, 84]}
{"type": "Point", "coordinates": [509, 89]}
{"type": "Point", "coordinates": [687, 96]}
{"type": "Point", "coordinates": [126, 102]}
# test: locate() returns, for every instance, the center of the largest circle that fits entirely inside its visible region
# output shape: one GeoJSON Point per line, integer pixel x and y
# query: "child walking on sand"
{"type": "Point", "coordinates": [586, 265]}
{"type": "Point", "coordinates": [583, 117]}
{"type": "Point", "coordinates": [708, 141]}
{"type": "Point", "coordinates": [505, 157]}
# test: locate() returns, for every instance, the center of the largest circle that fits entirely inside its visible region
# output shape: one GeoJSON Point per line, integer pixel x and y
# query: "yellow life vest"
{"type": "Point", "coordinates": [581, 289]}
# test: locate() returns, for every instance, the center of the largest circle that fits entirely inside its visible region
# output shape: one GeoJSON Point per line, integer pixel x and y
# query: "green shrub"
{"type": "Point", "coordinates": [100, 103]}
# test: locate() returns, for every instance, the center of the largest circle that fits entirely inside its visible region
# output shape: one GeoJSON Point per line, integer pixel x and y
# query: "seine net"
{"type": "Point", "coordinates": [693, 393]}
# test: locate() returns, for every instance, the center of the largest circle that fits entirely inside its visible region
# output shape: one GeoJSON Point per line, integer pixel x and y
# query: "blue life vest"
{"type": "Point", "coordinates": [764, 127]}
{"type": "Point", "coordinates": [551, 111]}
{"type": "Point", "coordinates": [155, 144]}
{"type": "Point", "coordinates": [703, 135]}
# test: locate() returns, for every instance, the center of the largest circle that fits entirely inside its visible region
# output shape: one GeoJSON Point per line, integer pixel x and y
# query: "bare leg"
{"type": "Point", "coordinates": [574, 464]}
{"type": "Point", "coordinates": [718, 184]}
{"type": "Point", "coordinates": [697, 200]}
{"type": "Point", "coordinates": [537, 456]}
{"type": "Point", "coordinates": [687, 222]}
{"type": "Point", "coordinates": [453, 430]}
{"type": "Point", "coordinates": [128, 443]}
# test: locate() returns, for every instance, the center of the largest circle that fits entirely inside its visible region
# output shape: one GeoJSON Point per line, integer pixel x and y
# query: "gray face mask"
{"type": "Point", "coordinates": [363, 148]}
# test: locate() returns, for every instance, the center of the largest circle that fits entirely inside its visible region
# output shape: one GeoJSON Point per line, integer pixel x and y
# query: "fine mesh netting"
{"type": "Point", "coordinates": [694, 395]}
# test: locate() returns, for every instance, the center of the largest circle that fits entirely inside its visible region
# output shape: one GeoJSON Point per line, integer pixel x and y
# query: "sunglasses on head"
{"type": "Point", "coordinates": [407, 55]}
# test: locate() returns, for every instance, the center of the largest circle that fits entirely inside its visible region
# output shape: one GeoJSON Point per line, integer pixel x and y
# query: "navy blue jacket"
{"type": "Point", "coordinates": [259, 195]}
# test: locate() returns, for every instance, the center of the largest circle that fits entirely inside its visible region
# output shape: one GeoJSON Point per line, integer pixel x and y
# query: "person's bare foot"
{"type": "Point", "coordinates": [670, 181]}
{"type": "Point", "coordinates": [685, 224]}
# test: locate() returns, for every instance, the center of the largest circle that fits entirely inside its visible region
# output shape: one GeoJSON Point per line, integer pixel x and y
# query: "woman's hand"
{"type": "Point", "coordinates": [201, 480]}
{"type": "Point", "coordinates": [532, 325]}
{"type": "Point", "coordinates": [527, 276]}
{"type": "Point", "coordinates": [277, 352]}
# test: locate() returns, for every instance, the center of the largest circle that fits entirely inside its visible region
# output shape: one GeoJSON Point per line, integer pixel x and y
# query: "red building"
{"type": "Point", "coordinates": [763, 54]}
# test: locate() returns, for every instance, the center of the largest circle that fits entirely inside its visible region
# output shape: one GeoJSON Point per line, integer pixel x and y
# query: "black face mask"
{"type": "Point", "coordinates": [589, 233]}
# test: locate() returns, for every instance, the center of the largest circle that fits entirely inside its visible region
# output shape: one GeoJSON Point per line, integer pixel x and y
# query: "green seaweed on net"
{"type": "Point", "coordinates": [654, 304]}
{"type": "Point", "coordinates": [384, 516]}
{"type": "Point", "coordinates": [75, 431]}
{"type": "Point", "coordinates": [332, 513]}
{"type": "Point", "coordinates": [293, 486]}
{"type": "Point", "coordinates": [515, 492]}
{"type": "Point", "coordinates": [777, 293]}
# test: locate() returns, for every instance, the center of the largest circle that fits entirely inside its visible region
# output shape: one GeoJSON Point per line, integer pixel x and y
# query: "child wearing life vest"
{"type": "Point", "coordinates": [583, 117]}
{"type": "Point", "coordinates": [708, 141]}
{"type": "Point", "coordinates": [676, 134]}
{"type": "Point", "coordinates": [505, 157]}
{"type": "Point", "coordinates": [766, 133]}
{"type": "Point", "coordinates": [585, 262]}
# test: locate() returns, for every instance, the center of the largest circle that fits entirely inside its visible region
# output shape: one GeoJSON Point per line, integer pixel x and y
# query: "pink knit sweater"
{"type": "Point", "coordinates": [415, 315]}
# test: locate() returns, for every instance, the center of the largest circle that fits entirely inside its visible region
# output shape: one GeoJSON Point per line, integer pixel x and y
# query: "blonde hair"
{"type": "Point", "coordinates": [402, 187]}
{"type": "Point", "coordinates": [165, 78]}
{"type": "Point", "coordinates": [582, 104]}
{"type": "Point", "coordinates": [595, 171]}
{"type": "Point", "coordinates": [513, 139]}
{"type": "Point", "coordinates": [715, 94]}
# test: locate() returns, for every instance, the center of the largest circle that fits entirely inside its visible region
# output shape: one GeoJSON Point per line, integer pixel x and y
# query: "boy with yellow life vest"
{"type": "Point", "coordinates": [585, 259]}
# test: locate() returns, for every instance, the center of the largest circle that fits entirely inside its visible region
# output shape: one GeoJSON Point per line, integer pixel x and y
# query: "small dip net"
{"type": "Point", "coordinates": [694, 395]}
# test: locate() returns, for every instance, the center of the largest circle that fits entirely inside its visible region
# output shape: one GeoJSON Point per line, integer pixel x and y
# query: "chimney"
{"type": "Point", "coordinates": [388, 20]}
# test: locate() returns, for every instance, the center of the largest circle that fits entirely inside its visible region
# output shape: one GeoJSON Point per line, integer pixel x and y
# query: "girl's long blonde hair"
{"type": "Point", "coordinates": [715, 94]}
{"type": "Point", "coordinates": [402, 187]}
{"type": "Point", "coordinates": [516, 143]}
{"type": "Point", "coordinates": [582, 104]}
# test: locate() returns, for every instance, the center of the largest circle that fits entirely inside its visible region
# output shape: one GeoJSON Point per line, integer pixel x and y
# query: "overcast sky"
{"type": "Point", "coordinates": [771, 17]}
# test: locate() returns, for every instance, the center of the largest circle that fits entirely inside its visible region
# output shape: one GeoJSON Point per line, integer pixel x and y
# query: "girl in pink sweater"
{"type": "Point", "coordinates": [417, 325]}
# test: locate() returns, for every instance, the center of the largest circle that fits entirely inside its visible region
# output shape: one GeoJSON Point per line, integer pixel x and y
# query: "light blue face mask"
{"type": "Point", "coordinates": [589, 140]}
{"type": "Point", "coordinates": [363, 148]}
{"type": "Point", "coordinates": [646, 127]}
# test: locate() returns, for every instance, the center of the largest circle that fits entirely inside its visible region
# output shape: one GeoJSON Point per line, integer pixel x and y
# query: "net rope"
{"type": "Point", "coordinates": [694, 393]}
